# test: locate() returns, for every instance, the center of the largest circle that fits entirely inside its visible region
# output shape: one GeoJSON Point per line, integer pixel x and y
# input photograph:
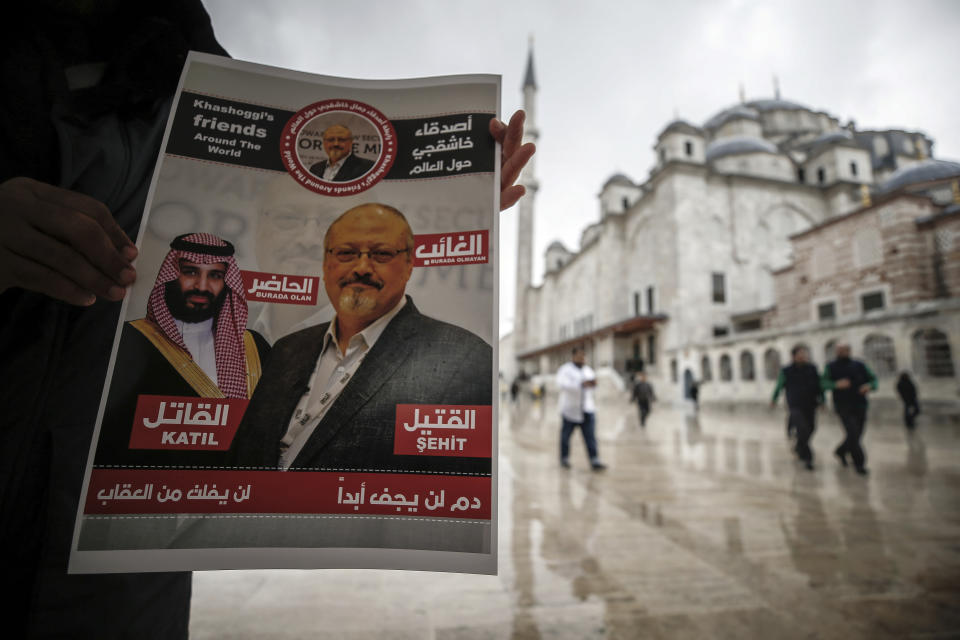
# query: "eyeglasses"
{"type": "Point", "coordinates": [382, 256]}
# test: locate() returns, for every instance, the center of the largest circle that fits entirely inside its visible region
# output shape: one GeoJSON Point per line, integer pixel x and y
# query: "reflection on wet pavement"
{"type": "Point", "coordinates": [703, 527]}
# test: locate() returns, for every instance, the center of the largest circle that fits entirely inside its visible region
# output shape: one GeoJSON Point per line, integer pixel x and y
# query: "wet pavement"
{"type": "Point", "coordinates": [701, 528]}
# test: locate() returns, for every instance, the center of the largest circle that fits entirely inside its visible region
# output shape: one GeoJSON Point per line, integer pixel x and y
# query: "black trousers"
{"type": "Point", "coordinates": [803, 420]}
{"type": "Point", "coordinates": [854, 419]}
{"type": "Point", "coordinates": [910, 411]}
{"type": "Point", "coordinates": [644, 408]}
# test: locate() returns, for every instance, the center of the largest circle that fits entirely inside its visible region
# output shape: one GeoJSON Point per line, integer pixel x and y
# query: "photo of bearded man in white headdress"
{"type": "Point", "coordinates": [192, 342]}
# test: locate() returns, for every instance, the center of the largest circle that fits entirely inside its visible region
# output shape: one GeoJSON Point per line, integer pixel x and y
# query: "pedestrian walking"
{"type": "Point", "coordinates": [911, 403]}
{"type": "Point", "coordinates": [576, 382]}
{"type": "Point", "coordinates": [850, 381]}
{"type": "Point", "coordinates": [802, 385]}
{"type": "Point", "coordinates": [643, 395]}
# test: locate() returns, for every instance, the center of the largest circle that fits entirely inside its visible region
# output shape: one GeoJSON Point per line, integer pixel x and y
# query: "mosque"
{"type": "Point", "coordinates": [770, 225]}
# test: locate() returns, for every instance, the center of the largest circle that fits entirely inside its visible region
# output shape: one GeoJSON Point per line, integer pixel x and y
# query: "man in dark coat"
{"type": "Point", "coordinates": [643, 395]}
{"type": "Point", "coordinates": [802, 384]}
{"type": "Point", "coordinates": [328, 397]}
{"type": "Point", "coordinates": [911, 402]}
{"type": "Point", "coordinates": [341, 165]}
{"type": "Point", "coordinates": [86, 89]}
{"type": "Point", "coordinates": [850, 380]}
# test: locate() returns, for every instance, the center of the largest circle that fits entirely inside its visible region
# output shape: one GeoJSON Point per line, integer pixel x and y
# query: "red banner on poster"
{"type": "Point", "coordinates": [279, 288]}
{"type": "Point", "coordinates": [463, 431]}
{"type": "Point", "coordinates": [124, 491]}
{"type": "Point", "coordinates": [186, 423]}
{"type": "Point", "coordinates": [445, 249]}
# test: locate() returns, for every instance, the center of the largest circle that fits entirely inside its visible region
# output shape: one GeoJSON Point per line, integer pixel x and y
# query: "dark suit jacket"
{"type": "Point", "coordinates": [353, 167]}
{"type": "Point", "coordinates": [416, 360]}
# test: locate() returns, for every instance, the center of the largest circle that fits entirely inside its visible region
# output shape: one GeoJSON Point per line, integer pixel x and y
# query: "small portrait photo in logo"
{"type": "Point", "coordinates": [339, 146]}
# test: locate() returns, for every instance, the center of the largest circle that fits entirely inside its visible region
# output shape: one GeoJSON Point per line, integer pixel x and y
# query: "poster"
{"type": "Point", "coordinates": [235, 430]}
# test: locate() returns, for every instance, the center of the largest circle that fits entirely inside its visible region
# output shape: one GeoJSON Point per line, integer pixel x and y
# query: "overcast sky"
{"type": "Point", "coordinates": [613, 74]}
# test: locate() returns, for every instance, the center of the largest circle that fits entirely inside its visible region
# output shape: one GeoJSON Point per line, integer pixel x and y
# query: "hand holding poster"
{"type": "Point", "coordinates": [303, 375]}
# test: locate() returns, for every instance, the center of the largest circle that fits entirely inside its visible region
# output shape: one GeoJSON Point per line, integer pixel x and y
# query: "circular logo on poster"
{"type": "Point", "coordinates": [338, 147]}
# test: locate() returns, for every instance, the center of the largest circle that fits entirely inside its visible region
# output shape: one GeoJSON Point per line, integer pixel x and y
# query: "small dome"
{"type": "Point", "coordinates": [556, 245]}
{"type": "Point", "coordinates": [618, 178]}
{"type": "Point", "coordinates": [681, 126]}
{"type": "Point", "coordinates": [732, 113]}
{"type": "Point", "coordinates": [738, 144]}
{"type": "Point", "coordinates": [774, 104]}
{"type": "Point", "coordinates": [925, 171]}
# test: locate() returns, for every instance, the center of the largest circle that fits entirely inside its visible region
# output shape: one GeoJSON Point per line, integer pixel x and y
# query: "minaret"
{"type": "Point", "coordinates": [525, 213]}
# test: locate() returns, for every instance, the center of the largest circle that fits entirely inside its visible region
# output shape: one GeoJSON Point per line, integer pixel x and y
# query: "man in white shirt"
{"type": "Point", "coordinates": [577, 381]}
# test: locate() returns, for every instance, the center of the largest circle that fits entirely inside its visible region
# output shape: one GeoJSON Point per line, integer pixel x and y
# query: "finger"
{"type": "Point", "coordinates": [42, 279]}
{"type": "Point", "coordinates": [514, 134]}
{"type": "Point", "coordinates": [86, 237]}
{"type": "Point", "coordinates": [511, 169]}
{"type": "Point", "coordinates": [64, 260]}
{"type": "Point", "coordinates": [497, 129]}
{"type": "Point", "coordinates": [510, 196]}
{"type": "Point", "coordinates": [90, 207]}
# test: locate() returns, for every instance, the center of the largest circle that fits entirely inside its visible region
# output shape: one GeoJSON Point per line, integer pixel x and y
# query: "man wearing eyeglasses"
{"type": "Point", "coordinates": [328, 397]}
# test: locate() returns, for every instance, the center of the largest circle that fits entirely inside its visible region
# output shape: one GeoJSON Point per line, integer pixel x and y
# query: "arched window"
{"type": "Point", "coordinates": [771, 364]}
{"type": "Point", "coordinates": [829, 351]}
{"type": "Point", "coordinates": [726, 369]}
{"type": "Point", "coordinates": [746, 366]}
{"type": "Point", "coordinates": [879, 354]}
{"type": "Point", "coordinates": [706, 371]}
{"type": "Point", "coordinates": [931, 354]}
{"type": "Point", "coordinates": [673, 370]}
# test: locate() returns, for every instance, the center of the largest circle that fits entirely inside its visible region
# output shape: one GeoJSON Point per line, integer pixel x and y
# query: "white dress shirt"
{"type": "Point", "coordinates": [335, 367]}
{"type": "Point", "coordinates": [198, 336]}
{"type": "Point", "coordinates": [575, 399]}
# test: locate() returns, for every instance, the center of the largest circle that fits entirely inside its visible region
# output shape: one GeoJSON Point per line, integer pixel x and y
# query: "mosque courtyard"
{"type": "Point", "coordinates": [701, 527]}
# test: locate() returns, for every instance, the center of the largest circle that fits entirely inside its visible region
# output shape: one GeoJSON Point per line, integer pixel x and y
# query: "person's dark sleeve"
{"type": "Point", "coordinates": [263, 347]}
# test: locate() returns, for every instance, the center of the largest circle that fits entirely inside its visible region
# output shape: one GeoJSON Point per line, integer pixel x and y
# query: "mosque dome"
{"type": "Point", "coordinates": [737, 145]}
{"type": "Point", "coordinates": [681, 126]}
{"type": "Point", "coordinates": [618, 178]}
{"type": "Point", "coordinates": [732, 113]}
{"type": "Point", "coordinates": [773, 104]}
{"type": "Point", "coordinates": [924, 171]}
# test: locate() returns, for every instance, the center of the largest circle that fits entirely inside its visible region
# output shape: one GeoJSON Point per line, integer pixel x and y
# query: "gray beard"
{"type": "Point", "coordinates": [357, 300]}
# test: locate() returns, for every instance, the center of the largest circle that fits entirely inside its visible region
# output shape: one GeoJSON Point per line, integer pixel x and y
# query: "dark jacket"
{"type": "Point", "coordinates": [643, 392]}
{"type": "Point", "coordinates": [907, 390]}
{"type": "Point", "coordinates": [857, 373]}
{"type": "Point", "coordinates": [802, 385]}
{"type": "Point", "coordinates": [353, 167]}
{"type": "Point", "coordinates": [102, 141]}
